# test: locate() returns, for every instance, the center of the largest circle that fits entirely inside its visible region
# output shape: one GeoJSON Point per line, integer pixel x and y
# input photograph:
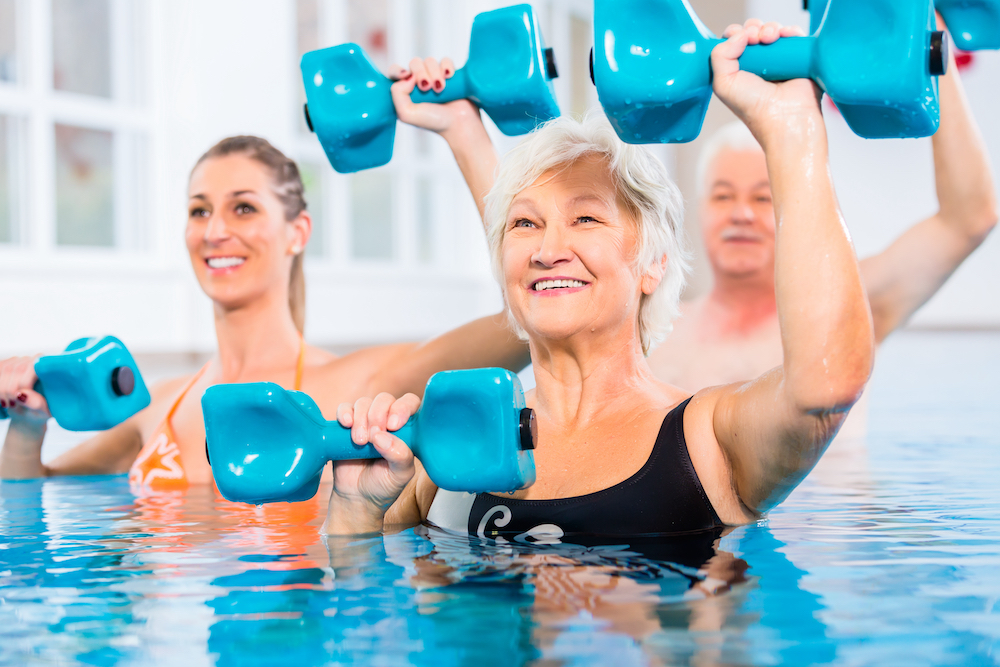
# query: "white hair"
{"type": "Point", "coordinates": [734, 136]}
{"type": "Point", "coordinates": [642, 184]}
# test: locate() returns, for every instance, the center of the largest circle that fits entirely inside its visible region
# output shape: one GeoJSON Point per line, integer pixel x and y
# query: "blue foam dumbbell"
{"type": "Point", "coordinates": [508, 74]}
{"type": "Point", "coordinates": [877, 59]}
{"type": "Point", "coordinates": [92, 386]}
{"type": "Point", "coordinates": [974, 24]}
{"type": "Point", "coordinates": [267, 444]}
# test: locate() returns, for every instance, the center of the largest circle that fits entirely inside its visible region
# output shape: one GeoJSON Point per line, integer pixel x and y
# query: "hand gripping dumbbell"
{"type": "Point", "coordinates": [877, 60]}
{"type": "Point", "coordinates": [267, 444]}
{"type": "Point", "coordinates": [974, 24]}
{"type": "Point", "coordinates": [92, 386]}
{"type": "Point", "coordinates": [508, 74]}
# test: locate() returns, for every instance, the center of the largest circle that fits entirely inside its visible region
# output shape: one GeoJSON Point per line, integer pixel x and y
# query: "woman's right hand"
{"type": "Point", "coordinates": [765, 107]}
{"type": "Point", "coordinates": [17, 393]}
{"type": "Point", "coordinates": [429, 74]}
{"type": "Point", "coordinates": [364, 489]}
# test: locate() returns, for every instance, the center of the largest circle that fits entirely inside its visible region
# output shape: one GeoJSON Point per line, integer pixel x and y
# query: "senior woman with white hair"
{"type": "Point", "coordinates": [584, 232]}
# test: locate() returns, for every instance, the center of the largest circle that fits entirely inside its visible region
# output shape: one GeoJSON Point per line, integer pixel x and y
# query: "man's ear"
{"type": "Point", "coordinates": [301, 232]}
{"type": "Point", "coordinates": [654, 275]}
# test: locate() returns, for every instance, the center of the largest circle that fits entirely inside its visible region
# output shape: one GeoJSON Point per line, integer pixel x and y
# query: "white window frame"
{"type": "Point", "coordinates": [127, 114]}
{"type": "Point", "coordinates": [405, 169]}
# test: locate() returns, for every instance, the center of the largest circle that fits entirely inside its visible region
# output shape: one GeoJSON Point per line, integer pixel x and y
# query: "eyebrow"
{"type": "Point", "coordinates": [727, 184]}
{"type": "Point", "coordinates": [575, 200]}
{"type": "Point", "coordinates": [237, 193]}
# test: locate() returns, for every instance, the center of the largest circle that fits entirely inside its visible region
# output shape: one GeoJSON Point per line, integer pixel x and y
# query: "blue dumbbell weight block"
{"type": "Point", "coordinates": [92, 386]}
{"type": "Point", "coordinates": [267, 444]}
{"type": "Point", "coordinates": [974, 24]}
{"type": "Point", "coordinates": [877, 59]}
{"type": "Point", "coordinates": [508, 74]}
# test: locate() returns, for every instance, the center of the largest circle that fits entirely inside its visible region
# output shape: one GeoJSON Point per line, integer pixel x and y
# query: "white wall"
{"type": "Point", "coordinates": [884, 186]}
{"type": "Point", "coordinates": [222, 67]}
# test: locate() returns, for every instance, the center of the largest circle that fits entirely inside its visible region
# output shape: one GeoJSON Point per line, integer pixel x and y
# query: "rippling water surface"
{"type": "Point", "coordinates": [888, 554]}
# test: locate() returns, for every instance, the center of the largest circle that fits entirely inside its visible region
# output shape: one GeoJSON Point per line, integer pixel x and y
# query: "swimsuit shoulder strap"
{"type": "Point", "coordinates": [300, 364]}
{"type": "Point", "coordinates": [187, 388]}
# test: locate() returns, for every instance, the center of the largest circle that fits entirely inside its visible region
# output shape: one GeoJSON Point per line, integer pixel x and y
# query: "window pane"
{"type": "Point", "coordinates": [425, 219]}
{"type": "Point", "coordinates": [312, 180]}
{"type": "Point", "coordinates": [371, 219]}
{"type": "Point", "coordinates": [84, 187]}
{"type": "Point", "coordinates": [368, 26]}
{"type": "Point", "coordinates": [6, 205]}
{"type": "Point", "coordinates": [81, 46]}
{"type": "Point", "coordinates": [581, 39]}
{"type": "Point", "coordinates": [8, 40]}
{"type": "Point", "coordinates": [307, 39]}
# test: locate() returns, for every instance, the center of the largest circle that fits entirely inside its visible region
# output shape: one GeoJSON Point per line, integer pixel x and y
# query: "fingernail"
{"type": "Point", "coordinates": [438, 86]}
{"type": "Point", "coordinates": [424, 83]}
{"type": "Point", "coordinates": [393, 422]}
{"type": "Point", "coordinates": [22, 397]}
{"type": "Point", "coordinates": [3, 403]}
{"type": "Point", "coordinates": [447, 72]}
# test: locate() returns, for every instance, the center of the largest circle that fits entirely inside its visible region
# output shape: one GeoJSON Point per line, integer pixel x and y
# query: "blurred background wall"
{"type": "Point", "coordinates": [105, 105]}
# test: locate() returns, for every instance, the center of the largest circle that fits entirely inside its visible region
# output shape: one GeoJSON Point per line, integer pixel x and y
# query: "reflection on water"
{"type": "Point", "coordinates": [888, 556]}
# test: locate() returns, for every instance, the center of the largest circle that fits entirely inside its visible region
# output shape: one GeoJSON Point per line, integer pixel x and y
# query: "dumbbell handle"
{"type": "Point", "coordinates": [37, 387]}
{"type": "Point", "coordinates": [788, 58]}
{"type": "Point", "coordinates": [340, 447]}
{"type": "Point", "coordinates": [456, 88]}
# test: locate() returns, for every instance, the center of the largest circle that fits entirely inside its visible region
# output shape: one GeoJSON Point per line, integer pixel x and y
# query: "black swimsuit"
{"type": "Point", "coordinates": [665, 496]}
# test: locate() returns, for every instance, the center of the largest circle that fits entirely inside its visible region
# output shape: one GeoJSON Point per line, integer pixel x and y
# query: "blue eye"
{"type": "Point", "coordinates": [523, 222]}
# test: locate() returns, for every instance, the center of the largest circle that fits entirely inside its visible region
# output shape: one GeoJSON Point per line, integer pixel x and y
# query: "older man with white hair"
{"type": "Point", "coordinates": [732, 333]}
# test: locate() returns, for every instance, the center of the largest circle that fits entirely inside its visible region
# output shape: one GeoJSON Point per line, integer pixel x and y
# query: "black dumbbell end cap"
{"type": "Point", "coordinates": [939, 53]}
{"type": "Point", "coordinates": [592, 66]}
{"type": "Point", "coordinates": [122, 381]}
{"type": "Point", "coordinates": [207, 455]}
{"type": "Point", "coordinates": [309, 122]}
{"type": "Point", "coordinates": [550, 64]}
{"type": "Point", "coordinates": [528, 429]}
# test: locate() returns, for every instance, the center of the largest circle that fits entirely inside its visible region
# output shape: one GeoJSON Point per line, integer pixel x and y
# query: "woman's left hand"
{"type": "Point", "coordinates": [762, 105]}
{"type": "Point", "coordinates": [364, 489]}
{"type": "Point", "coordinates": [428, 74]}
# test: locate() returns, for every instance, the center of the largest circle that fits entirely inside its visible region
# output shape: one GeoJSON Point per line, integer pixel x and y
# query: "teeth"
{"type": "Point", "coordinates": [542, 285]}
{"type": "Point", "coordinates": [225, 262]}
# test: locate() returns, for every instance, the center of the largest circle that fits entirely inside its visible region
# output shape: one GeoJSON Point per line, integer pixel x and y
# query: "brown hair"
{"type": "Point", "coordinates": [287, 186]}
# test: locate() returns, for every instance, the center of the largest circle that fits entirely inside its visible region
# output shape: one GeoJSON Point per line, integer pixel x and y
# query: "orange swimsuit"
{"type": "Point", "coordinates": [158, 466]}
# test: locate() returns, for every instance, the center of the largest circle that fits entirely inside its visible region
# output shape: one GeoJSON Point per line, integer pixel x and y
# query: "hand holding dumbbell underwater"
{"type": "Point", "coordinates": [584, 238]}
{"type": "Point", "coordinates": [247, 229]}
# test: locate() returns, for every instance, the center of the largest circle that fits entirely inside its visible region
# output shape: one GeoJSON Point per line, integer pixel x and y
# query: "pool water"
{"type": "Point", "coordinates": [888, 554]}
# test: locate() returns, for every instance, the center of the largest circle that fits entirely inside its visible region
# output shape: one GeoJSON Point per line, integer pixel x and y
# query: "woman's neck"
{"type": "Point", "coordinates": [255, 339]}
{"type": "Point", "coordinates": [578, 381]}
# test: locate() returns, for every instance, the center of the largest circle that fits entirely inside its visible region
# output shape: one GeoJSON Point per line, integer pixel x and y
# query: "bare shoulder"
{"type": "Point", "coordinates": [162, 394]}
{"type": "Point", "coordinates": [710, 462]}
{"type": "Point", "coordinates": [334, 380]}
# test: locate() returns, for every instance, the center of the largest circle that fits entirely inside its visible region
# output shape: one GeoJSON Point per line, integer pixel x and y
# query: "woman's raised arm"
{"type": "Point", "coordinates": [772, 431]}
{"type": "Point", "coordinates": [458, 122]}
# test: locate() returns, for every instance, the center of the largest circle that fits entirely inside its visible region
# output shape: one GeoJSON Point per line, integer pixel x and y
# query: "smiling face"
{"type": "Point", "coordinates": [568, 256]}
{"type": "Point", "coordinates": [737, 216]}
{"type": "Point", "coordinates": [240, 244]}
